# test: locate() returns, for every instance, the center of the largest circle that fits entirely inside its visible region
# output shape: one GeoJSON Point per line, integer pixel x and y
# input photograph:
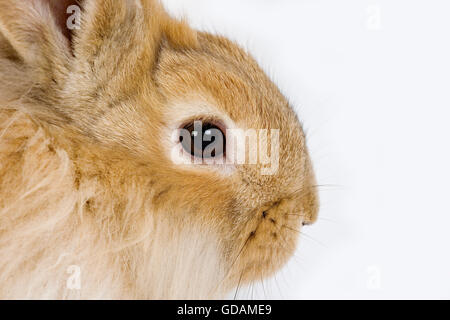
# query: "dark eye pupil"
{"type": "Point", "coordinates": [203, 140]}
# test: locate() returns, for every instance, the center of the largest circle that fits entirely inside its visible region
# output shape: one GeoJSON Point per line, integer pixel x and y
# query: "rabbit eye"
{"type": "Point", "coordinates": [203, 140]}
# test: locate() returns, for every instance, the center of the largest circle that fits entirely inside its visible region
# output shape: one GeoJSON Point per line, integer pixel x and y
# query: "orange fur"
{"type": "Point", "coordinates": [85, 177]}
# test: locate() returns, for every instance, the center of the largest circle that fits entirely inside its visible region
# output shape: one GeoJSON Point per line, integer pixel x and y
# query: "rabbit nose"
{"type": "Point", "coordinates": [311, 213]}
{"type": "Point", "coordinates": [307, 223]}
{"type": "Point", "coordinates": [310, 205]}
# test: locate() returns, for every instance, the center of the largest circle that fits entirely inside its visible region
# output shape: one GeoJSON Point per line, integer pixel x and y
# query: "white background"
{"type": "Point", "coordinates": [371, 83]}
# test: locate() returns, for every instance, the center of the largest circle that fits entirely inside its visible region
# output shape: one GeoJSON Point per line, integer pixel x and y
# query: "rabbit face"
{"type": "Point", "coordinates": [118, 93]}
{"type": "Point", "coordinates": [256, 217]}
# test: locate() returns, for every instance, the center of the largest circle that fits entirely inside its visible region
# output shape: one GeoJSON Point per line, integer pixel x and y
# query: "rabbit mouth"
{"type": "Point", "coordinates": [269, 244]}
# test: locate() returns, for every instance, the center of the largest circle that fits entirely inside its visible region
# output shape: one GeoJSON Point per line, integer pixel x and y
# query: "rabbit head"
{"type": "Point", "coordinates": [116, 84]}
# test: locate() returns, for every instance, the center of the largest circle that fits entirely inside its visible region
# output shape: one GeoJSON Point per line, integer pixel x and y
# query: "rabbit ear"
{"type": "Point", "coordinates": [36, 29]}
{"type": "Point", "coordinates": [128, 28]}
{"type": "Point", "coordinates": [47, 33]}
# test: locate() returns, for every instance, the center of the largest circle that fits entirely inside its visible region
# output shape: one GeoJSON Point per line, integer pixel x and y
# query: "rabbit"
{"type": "Point", "coordinates": [92, 203]}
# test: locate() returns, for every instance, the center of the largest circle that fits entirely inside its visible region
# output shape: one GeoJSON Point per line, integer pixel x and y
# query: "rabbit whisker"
{"type": "Point", "coordinates": [305, 235]}
{"type": "Point", "coordinates": [278, 286]}
{"type": "Point", "coordinates": [235, 259]}
{"type": "Point", "coordinates": [295, 214]}
{"type": "Point", "coordinates": [289, 228]}
{"type": "Point", "coordinates": [239, 284]}
{"type": "Point", "coordinates": [262, 284]}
